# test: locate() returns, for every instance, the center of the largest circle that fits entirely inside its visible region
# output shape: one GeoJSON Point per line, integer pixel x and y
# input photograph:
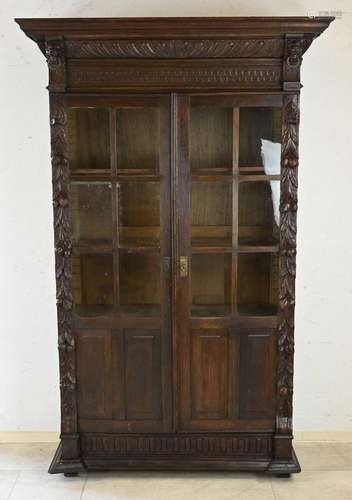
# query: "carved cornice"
{"type": "Point", "coordinates": [287, 265]}
{"type": "Point", "coordinates": [167, 446]}
{"type": "Point", "coordinates": [63, 249]}
{"type": "Point", "coordinates": [55, 57]}
{"type": "Point", "coordinates": [170, 77]}
{"type": "Point", "coordinates": [174, 48]}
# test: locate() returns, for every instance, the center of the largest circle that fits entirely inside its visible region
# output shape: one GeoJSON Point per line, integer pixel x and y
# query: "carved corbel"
{"type": "Point", "coordinates": [295, 47]}
{"type": "Point", "coordinates": [55, 57]}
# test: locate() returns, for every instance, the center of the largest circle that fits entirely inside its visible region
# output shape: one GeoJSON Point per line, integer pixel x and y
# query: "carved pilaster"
{"type": "Point", "coordinates": [55, 57]}
{"type": "Point", "coordinates": [63, 248]}
{"type": "Point", "coordinates": [287, 269]}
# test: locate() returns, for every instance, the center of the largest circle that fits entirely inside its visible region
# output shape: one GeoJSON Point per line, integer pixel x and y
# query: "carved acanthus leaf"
{"type": "Point", "coordinates": [288, 229]}
{"type": "Point", "coordinates": [63, 249]}
{"type": "Point", "coordinates": [174, 48]}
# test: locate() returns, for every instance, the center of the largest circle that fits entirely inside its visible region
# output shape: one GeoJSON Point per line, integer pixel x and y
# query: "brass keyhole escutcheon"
{"type": "Point", "coordinates": [183, 266]}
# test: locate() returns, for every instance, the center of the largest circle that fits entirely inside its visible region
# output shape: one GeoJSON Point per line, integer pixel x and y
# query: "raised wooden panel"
{"type": "Point", "coordinates": [257, 375]}
{"type": "Point", "coordinates": [142, 374]}
{"type": "Point", "coordinates": [209, 374]}
{"type": "Point", "coordinates": [93, 355]}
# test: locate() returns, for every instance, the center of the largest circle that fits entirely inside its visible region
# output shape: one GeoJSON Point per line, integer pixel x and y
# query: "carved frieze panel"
{"type": "Point", "coordinates": [206, 446]}
{"type": "Point", "coordinates": [109, 76]}
{"type": "Point", "coordinates": [175, 48]}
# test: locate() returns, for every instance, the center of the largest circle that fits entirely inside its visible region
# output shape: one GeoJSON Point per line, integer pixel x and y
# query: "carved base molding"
{"type": "Point", "coordinates": [197, 453]}
{"type": "Point", "coordinates": [68, 467]}
{"type": "Point", "coordinates": [285, 467]}
{"type": "Point", "coordinates": [172, 445]}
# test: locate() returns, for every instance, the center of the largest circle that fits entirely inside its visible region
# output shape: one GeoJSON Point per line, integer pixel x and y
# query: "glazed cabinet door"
{"type": "Point", "coordinates": [119, 202]}
{"type": "Point", "coordinates": [227, 206]}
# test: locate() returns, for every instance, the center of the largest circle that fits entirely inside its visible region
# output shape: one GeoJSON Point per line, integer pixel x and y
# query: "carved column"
{"type": "Point", "coordinates": [287, 270]}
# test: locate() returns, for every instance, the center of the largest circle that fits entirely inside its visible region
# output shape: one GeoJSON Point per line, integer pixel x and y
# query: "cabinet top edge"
{"type": "Point", "coordinates": [171, 27]}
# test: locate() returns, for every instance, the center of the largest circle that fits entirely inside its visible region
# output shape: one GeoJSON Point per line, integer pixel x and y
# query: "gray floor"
{"type": "Point", "coordinates": [326, 474]}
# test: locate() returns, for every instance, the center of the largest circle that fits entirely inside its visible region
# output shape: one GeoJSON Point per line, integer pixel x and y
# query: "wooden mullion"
{"type": "Point", "coordinates": [235, 193]}
{"type": "Point", "coordinates": [256, 178]}
{"type": "Point", "coordinates": [195, 249]}
{"type": "Point", "coordinates": [208, 177]}
{"type": "Point", "coordinates": [113, 141]}
{"type": "Point", "coordinates": [164, 254]}
{"type": "Point", "coordinates": [258, 249]}
{"type": "Point", "coordinates": [115, 238]}
{"type": "Point", "coordinates": [115, 209]}
{"type": "Point", "coordinates": [106, 176]}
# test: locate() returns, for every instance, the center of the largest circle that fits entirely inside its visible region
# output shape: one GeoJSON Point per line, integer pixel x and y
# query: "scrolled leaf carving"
{"type": "Point", "coordinates": [288, 230]}
{"type": "Point", "coordinates": [63, 249]}
{"type": "Point", "coordinates": [160, 49]}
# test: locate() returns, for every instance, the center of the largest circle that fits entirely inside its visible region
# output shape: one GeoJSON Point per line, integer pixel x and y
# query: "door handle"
{"type": "Point", "coordinates": [183, 266]}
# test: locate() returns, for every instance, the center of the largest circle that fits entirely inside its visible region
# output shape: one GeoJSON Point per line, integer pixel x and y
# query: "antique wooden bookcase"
{"type": "Point", "coordinates": [175, 277]}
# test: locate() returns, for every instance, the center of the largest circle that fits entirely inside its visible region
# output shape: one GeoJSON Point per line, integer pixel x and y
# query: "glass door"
{"type": "Point", "coordinates": [119, 159]}
{"type": "Point", "coordinates": [228, 170]}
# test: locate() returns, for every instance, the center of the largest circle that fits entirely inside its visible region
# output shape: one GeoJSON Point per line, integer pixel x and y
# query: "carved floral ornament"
{"type": "Point", "coordinates": [54, 53]}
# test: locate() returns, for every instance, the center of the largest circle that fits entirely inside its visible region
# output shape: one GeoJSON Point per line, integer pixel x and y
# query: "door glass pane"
{"type": "Point", "coordinates": [140, 284]}
{"type": "Point", "coordinates": [138, 138]}
{"type": "Point", "coordinates": [256, 124]}
{"type": "Point", "coordinates": [139, 213]}
{"type": "Point", "coordinates": [257, 284]}
{"type": "Point", "coordinates": [210, 284]}
{"type": "Point", "coordinates": [211, 139]}
{"type": "Point", "coordinates": [92, 284]}
{"type": "Point", "coordinates": [211, 213]}
{"type": "Point", "coordinates": [90, 211]}
{"type": "Point", "coordinates": [258, 216]}
{"type": "Point", "coordinates": [88, 138]}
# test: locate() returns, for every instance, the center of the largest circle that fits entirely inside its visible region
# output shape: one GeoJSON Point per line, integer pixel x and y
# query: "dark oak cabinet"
{"type": "Point", "coordinates": [174, 161]}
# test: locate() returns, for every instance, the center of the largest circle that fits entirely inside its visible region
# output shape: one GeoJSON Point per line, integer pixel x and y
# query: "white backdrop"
{"type": "Point", "coordinates": [28, 356]}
